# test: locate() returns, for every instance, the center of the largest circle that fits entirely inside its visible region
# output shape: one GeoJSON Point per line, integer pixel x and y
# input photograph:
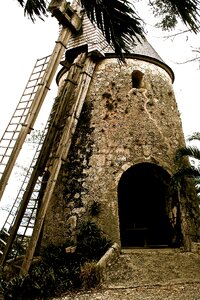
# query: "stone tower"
{"type": "Point", "coordinates": [122, 154]}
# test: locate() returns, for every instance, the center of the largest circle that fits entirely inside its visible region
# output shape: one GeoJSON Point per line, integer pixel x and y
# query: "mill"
{"type": "Point", "coordinates": [110, 142]}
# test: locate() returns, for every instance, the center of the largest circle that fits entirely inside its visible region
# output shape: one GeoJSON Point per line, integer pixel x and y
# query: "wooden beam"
{"type": "Point", "coordinates": [61, 154]}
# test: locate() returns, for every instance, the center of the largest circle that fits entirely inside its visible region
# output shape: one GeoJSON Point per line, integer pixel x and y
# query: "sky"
{"type": "Point", "coordinates": [22, 42]}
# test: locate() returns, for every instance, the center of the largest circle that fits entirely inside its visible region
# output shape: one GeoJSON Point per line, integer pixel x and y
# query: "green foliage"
{"type": "Point", "coordinates": [171, 10]}
{"type": "Point", "coordinates": [91, 243]}
{"type": "Point", "coordinates": [13, 289]}
{"type": "Point", "coordinates": [168, 22]}
{"type": "Point", "coordinates": [57, 271]}
{"type": "Point", "coordinates": [190, 151]}
{"type": "Point", "coordinates": [163, 9]}
{"type": "Point", "coordinates": [95, 209]}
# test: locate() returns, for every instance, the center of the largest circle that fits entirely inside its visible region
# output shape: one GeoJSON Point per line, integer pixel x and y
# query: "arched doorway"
{"type": "Point", "coordinates": [142, 206]}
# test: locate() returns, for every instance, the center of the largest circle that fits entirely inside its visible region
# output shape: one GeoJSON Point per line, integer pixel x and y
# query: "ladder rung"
{"type": "Point", "coordinates": [31, 86]}
{"type": "Point", "coordinates": [6, 139]}
{"type": "Point", "coordinates": [26, 226]}
{"type": "Point", "coordinates": [7, 223]}
{"type": "Point", "coordinates": [22, 102]}
{"type": "Point", "coordinates": [31, 208]}
{"type": "Point", "coordinates": [42, 64]}
{"type": "Point", "coordinates": [28, 94]}
{"type": "Point", "coordinates": [37, 72]}
{"type": "Point", "coordinates": [12, 124]}
{"type": "Point", "coordinates": [36, 79]}
{"type": "Point", "coordinates": [23, 107]}
{"type": "Point", "coordinates": [6, 232]}
{"type": "Point", "coordinates": [3, 242]}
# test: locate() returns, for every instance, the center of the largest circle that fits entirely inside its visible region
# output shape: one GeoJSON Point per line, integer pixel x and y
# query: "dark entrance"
{"type": "Point", "coordinates": [142, 206]}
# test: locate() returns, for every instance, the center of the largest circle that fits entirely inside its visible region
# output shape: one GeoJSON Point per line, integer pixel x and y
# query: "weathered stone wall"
{"type": "Point", "coordinates": [130, 126]}
{"type": "Point", "coordinates": [67, 204]}
{"type": "Point", "coordinates": [119, 127]}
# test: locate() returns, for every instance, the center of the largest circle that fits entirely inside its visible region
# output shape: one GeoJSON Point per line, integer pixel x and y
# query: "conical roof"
{"type": "Point", "coordinates": [91, 36]}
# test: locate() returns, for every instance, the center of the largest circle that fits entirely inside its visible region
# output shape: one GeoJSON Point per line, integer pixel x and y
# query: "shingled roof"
{"type": "Point", "coordinates": [91, 36]}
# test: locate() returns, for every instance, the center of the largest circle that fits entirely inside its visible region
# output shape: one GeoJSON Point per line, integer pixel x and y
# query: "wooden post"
{"type": "Point", "coordinates": [61, 154]}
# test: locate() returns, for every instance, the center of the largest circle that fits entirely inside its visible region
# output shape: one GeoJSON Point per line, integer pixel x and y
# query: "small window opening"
{"type": "Point", "coordinates": [137, 79]}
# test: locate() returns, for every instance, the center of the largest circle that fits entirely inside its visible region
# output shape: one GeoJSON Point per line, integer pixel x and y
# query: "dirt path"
{"type": "Point", "coordinates": [190, 291]}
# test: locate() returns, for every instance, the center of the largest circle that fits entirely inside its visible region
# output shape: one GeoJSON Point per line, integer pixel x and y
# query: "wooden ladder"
{"type": "Point", "coordinates": [64, 115]}
{"type": "Point", "coordinates": [20, 115]}
{"type": "Point", "coordinates": [28, 108]}
{"type": "Point", "coordinates": [36, 191]}
{"type": "Point", "coordinates": [19, 223]}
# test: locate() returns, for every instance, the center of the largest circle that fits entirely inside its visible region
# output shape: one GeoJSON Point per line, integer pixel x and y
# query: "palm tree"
{"type": "Point", "coordinates": [119, 20]}
{"type": "Point", "coordinates": [193, 169]}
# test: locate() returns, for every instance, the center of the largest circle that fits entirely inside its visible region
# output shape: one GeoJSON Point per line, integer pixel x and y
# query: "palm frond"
{"type": "Point", "coordinates": [194, 136]}
{"type": "Point", "coordinates": [34, 8]}
{"type": "Point", "coordinates": [190, 172]}
{"type": "Point", "coordinates": [118, 21]}
{"type": "Point", "coordinates": [188, 11]}
{"type": "Point", "coordinates": [191, 151]}
{"type": "Point", "coordinates": [21, 2]}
